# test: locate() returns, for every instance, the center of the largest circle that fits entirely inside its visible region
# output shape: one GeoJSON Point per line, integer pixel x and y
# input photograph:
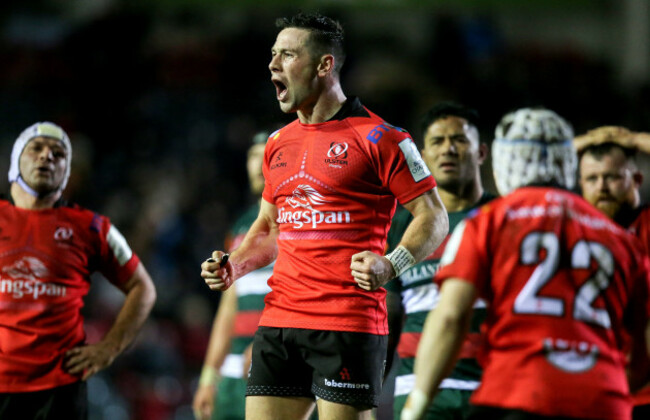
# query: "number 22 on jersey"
{"type": "Point", "coordinates": [531, 301]}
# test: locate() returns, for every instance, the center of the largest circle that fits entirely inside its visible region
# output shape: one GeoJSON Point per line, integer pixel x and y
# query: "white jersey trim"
{"type": "Point", "coordinates": [421, 298]}
{"type": "Point", "coordinates": [118, 245]}
{"type": "Point", "coordinates": [233, 366]}
{"type": "Point", "coordinates": [254, 283]}
{"type": "Point", "coordinates": [404, 384]}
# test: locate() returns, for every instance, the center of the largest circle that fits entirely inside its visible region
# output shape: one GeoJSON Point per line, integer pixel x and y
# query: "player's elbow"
{"type": "Point", "coordinates": [439, 227]}
{"type": "Point", "coordinates": [149, 295]}
{"type": "Point", "coordinates": [145, 289]}
{"type": "Point", "coordinates": [452, 319]}
{"type": "Point", "coordinates": [442, 225]}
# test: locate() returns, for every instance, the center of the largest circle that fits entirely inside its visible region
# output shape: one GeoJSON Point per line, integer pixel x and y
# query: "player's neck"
{"type": "Point", "coordinates": [328, 103]}
{"type": "Point", "coordinates": [24, 200]}
{"type": "Point", "coordinates": [462, 198]}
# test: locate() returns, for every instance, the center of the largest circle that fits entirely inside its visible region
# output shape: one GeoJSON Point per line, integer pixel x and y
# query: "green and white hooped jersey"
{"type": "Point", "coordinates": [419, 295]}
{"type": "Point", "coordinates": [251, 290]}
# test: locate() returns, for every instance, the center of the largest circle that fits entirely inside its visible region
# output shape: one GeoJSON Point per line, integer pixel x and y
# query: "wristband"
{"type": "Point", "coordinates": [416, 405]}
{"type": "Point", "coordinates": [209, 376]}
{"type": "Point", "coordinates": [401, 259]}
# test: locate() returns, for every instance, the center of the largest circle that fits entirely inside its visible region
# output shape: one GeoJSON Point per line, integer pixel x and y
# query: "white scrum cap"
{"type": "Point", "coordinates": [533, 146]}
{"type": "Point", "coordinates": [40, 129]}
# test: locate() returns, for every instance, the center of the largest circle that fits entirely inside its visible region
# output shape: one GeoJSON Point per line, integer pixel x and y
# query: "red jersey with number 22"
{"type": "Point", "coordinates": [560, 278]}
{"type": "Point", "coordinates": [334, 185]}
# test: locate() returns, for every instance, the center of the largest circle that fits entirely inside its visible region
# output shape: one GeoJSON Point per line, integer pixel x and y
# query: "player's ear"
{"type": "Point", "coordinates": [325, 65]}
{"type": "Point", "coordinates": [482, 152]}
{"type": "Point", "coordinates": [638, 178]}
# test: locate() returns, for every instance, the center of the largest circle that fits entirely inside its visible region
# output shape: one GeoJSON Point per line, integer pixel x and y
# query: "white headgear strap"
{"type": "Point", "coordinates": [39, 129]}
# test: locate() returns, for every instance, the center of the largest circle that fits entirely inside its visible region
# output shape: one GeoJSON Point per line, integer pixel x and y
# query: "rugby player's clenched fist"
{"type": "Point", "coordinates": [370, 270]}
{"type": "Point", "coordinates": [216, 271]}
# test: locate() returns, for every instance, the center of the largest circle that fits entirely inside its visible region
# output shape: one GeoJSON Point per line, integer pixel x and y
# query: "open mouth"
{"type": "Point", "coordinates": [280, 90]}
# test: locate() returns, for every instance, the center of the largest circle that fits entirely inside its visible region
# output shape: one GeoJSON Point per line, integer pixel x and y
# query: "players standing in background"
{"type": "Point", "coordinates": [454, 154]}
{"type": "Point", "coordinates": [222, 387]}
{"type": "Point", "coordinates": [564, 285]}
{"type": "Point", "coordinates": [48, 250]}
{"type": "Point", "coordinates": [610, 180]}
{"type": "Point", "coordinates": [332, 179]}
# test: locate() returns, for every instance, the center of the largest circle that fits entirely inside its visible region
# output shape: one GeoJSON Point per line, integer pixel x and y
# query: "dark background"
{"type": "Point", "coordinates": [161, 98]}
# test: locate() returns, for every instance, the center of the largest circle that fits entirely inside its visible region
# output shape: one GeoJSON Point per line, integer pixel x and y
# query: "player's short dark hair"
{"type": "Point", "coordinates": [448, 109]}
{"type": "Point", "coordinates": [600, 150]}
{"type": "Point", "coordinates": [326, 34]}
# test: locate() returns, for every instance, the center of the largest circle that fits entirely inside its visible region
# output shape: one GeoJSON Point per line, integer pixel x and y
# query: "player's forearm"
{"type": "Point", "coordinates": [428, 228]}
{"type": "Point", "coordinates": [441, 340]}
{"type": "Point", "coordinates": [443, 334]}
{"type": "Point", "coordinates": [139, 300]}
{"type": "Point", "coordinates": [258, 249]}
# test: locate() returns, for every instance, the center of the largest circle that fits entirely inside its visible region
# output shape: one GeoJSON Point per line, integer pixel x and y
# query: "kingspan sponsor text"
{"type": "Point", "coordinates": [313, 217]}
{"type": "Point", "coordinates": [20, 288]}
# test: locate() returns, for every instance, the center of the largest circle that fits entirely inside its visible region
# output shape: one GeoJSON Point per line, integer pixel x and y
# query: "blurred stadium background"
{"type": "Point", "coordinates": [161, 98]}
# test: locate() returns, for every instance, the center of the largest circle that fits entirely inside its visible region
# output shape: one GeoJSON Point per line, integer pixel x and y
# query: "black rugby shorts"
{"type": "Point", "coordinates": [69, 402]}
{"type": "Point", "coordinates": [337, 366]}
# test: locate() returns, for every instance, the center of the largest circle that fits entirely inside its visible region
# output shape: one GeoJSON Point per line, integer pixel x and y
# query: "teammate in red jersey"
{"type": "Point", "coordinates": [48, 250]}
{"type": "Point", "coordinates": [563, 284]}
{"type": "Point", "coordinates": [332, 180]}
{"type": "Point", "coordinates": [610, 180]}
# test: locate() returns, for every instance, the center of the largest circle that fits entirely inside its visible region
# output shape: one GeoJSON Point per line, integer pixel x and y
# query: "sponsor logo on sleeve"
{"type": "Point", "coordinates": [416, 165]}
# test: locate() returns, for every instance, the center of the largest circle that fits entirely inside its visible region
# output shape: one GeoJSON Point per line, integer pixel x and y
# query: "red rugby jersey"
{"type": "Point", "coordinates": [639, 226]}
{"type": "Point", "coordinates": [334, 185]}
{"type": "Point", "coordinates": [46, 259]}
{"type": "Point", "coordinates": [559, 277]}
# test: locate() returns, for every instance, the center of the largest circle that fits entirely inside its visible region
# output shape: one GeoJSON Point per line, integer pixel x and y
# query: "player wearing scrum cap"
{"type": "Point", "coordinates": [610, 180]}
{"type": "Point", "coordinates": [564, 284]}
{"type": "Point", "coordinates": [48, 250]}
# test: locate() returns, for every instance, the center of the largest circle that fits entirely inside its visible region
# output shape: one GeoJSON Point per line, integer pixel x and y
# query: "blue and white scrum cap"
{"type": "Point", "coordinates": [39, 129]}
{"type": "Point", "coordinates": [533, 145]}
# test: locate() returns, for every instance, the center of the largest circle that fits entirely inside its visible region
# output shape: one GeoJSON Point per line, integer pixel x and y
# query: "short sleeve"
{"type": "Point", "coordinates": [465, 256]}
{"type": "Point", "coordinates": [267, 193]}
{"type": "Point", "coordinates": [117, 261]}
{"type": "Point", "coordinates": [402, 168]}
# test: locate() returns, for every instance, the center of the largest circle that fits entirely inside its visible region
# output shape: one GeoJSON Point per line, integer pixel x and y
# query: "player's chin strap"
{"type": "Point", "coordinates": [30, 190]}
